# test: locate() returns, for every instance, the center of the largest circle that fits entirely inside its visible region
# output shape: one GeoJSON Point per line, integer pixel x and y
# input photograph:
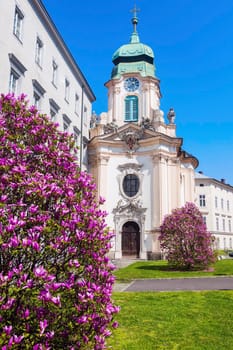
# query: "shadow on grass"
{"type": "Point", "coordinates": [166, 268]}
{"type": "Point", "coordinates": [156, 268]}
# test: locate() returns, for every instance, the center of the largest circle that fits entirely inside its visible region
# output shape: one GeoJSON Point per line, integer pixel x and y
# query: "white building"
{"type": "Point", "coordinates": [215, 201]}
{"type": "Point", "coordinates": [135, 156]}
{"type": "Point", "coordinates": [35, 60]}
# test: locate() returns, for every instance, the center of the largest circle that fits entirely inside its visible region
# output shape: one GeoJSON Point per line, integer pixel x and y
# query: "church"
{"type": "Point", "coordinates": [136, 159]}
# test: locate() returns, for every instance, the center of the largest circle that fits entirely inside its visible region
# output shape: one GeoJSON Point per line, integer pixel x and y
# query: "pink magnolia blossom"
{"type": "Point", "coordinates": [55, 275]}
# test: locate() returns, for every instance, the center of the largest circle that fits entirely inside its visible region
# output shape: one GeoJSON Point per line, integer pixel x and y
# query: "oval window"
{"type": "Point", "coordinates": [131, 185]}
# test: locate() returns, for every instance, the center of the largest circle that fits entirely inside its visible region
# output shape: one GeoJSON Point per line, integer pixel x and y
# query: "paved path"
{"type": "Point", "coordinates": [176, 284]}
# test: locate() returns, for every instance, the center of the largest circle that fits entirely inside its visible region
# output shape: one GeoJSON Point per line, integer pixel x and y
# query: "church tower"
{"type": "Point", "coordinates": [135, 157]}
{"type": "Point", "coordinates": [134, 91]}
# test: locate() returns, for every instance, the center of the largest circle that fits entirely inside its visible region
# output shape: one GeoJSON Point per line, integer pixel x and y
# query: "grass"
{"type": "Point", "coordinates": [173, 321]}
{"type": "Point", "coordinates": [160, 269]}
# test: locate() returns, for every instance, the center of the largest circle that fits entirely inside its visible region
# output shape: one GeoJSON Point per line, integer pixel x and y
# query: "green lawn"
{"type": "Point", "coordinates": [160, 269]}
{"type": "Point", "coordinates": [174, 321]}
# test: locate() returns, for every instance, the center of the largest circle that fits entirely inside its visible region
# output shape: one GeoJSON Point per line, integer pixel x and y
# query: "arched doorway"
{"type": "Point", "coordinates": [130, 239]}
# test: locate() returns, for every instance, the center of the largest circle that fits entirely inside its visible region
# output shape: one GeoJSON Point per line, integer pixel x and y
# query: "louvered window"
{"type": "Point", "coordinates": [131, 109]}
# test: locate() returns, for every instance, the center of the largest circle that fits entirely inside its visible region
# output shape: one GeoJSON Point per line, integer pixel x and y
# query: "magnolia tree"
{"type": "Point", "coordinates": [185, 239]}
{"type": "Point", "coordinates": [55, 278]}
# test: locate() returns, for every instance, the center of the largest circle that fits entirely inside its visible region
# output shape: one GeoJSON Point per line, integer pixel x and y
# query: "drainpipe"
{"type": "Point", "coordinates": [81, 133]}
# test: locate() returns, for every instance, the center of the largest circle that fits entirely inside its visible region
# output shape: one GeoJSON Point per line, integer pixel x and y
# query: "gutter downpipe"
{"type": "Point", "coordinates": [81, 132]}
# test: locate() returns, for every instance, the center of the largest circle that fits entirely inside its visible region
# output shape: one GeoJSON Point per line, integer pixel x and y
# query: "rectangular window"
{"type": "Point", "coordinates": [202, 200]}
{"type": "Point", "coordinates": [36, 99]}
{"type": "Point", "coordinates": [216, 202]}
{"type": "Point", "coordinates": [54, 108]}
{"type": "Point", "coordinates": [228, 205]}
{"type": "Point", "coordinates": [217, 224]}
{"type": "Point", "coordinates": [39, 51]}
{"type": "Point", "coordinates": [204, 219]}
{"type": "Point", "coordinates": [76, 136]}
{"type": "Point", "coordinates": [223, 225]}
{"type": "Point", "coordinates": [13, 83]}
{"type": "Point", "coordinates": [131, 108]}
{"type": "Point", "coordinates": [67, 90]}
{"type": "Point", "coordinates": [229, 225]}
{"type": "Point", "coordinates": [85, 115]}
{"type": "Point", "coordinates": [18, 23]}
{"type": "Point", "coordinates": [54, 73]}
{"type": "Point", "coordinates": [38, 93]}
{"type": "Point", "coordinates": [76, 107]}
{"type": "Point", "coordinates": [16, 73]}
{"type": "Point", "coordinates": [222, 204]}
{"type": "Point", "coordinates": [66, 123]}
{"type": "Point", "coordinates": [224, 243]}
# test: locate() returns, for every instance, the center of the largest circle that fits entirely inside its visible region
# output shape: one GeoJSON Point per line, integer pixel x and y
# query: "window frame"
{"type": "Point", "coordinates": [202, 200]}
{"type": "Point", "coordinates": [54, 109]}
{"type": "Point", "coordinates": [38, 93]}
{"type": "Point", "coordinates": [77, 104]}
{"type": "Point", "coordinates": [54, 73]}
{"type": "Point", "coordinates": [18, 23]}
{"type": "Point", "coordinates": [66, 123]}
{"type": "Point", "coordinates": [17, 70]}
{"type": "Point", "coordinates": [131, 108]}
{"type": "Point", "coordinates": [39, 51]}
{"type": "Point", "coordinates": [217, 223]}
{"type": "Point", "coordinates": [13, 81]}
{"type": "Point", "coordinates": [76, 135]}
{"type": "Point", "coordinates": [67, 90]}
{"type": "Point", "coordinates": [131, 185]}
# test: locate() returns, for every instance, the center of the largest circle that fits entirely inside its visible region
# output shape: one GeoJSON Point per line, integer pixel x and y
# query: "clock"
{"type": "Point", "coordinates": [131, 84]}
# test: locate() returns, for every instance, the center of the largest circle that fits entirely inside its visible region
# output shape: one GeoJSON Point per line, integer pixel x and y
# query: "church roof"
{"type": "Point", "coordinates": [134, 57]}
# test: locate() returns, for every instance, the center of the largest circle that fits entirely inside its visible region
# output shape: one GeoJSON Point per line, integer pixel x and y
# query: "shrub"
{"type": "Point", "coordinates": [55, 278]}
{"type": "Point", "coordinates": [185, 239]}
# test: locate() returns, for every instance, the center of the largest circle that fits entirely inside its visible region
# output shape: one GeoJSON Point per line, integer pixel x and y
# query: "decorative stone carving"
{"type": "Point", "coordinates": [130, 209]}
{"type": "Point", "coordinates": [131, 138]}
{"type": "Point", "coordinates": [157, 116]}
{"type": "Point", "coordinates": [117, 90]}
{"type": "Point", "coordinates": [103, 160]}
{"type": "Point", "coordinates": [146, 123]}
{"type": "Point", "coordinates": [171, 116]}
{"type": "Point", "coordinates": [129, 167]}
{"type": "Point", "coordinates": [128, 205]}
{"type": "Point", "coordinates": [94, 120]}
{"type": "Point", "coordinates": [110, 127]}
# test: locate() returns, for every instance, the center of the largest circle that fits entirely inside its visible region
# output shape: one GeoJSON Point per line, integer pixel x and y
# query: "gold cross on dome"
{"type": "Point", "coordinates": [135, 10]}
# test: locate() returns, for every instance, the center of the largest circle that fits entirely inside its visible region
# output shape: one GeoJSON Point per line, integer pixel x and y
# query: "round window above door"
{"type": "Point", "coordinates": [131, 185]}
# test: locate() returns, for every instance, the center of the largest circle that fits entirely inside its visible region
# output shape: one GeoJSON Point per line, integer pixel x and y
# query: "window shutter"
{"type": "Point", "coordinates": [131, 109]}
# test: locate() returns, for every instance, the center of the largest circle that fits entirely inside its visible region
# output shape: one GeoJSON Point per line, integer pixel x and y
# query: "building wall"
{"type": "Point", "coordinates": [215, 201]}
{"type": "Point", "coordinates": [35, 53]}
{"type": "Point", "coordinates": [148, 98]}
{"type": "Point", "coordinates": [159, 171]}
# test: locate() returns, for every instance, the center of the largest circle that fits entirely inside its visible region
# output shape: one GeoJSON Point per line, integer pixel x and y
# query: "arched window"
{"type": "Point", "coordinates": [131, 109]}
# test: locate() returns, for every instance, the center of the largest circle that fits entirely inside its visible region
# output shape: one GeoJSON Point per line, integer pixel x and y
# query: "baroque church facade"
{"type": "Point", "coordinates": [136, 159]}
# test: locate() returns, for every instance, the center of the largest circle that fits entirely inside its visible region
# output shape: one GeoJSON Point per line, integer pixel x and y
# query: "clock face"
{"type": "Point", "coordinates": [131, 84]}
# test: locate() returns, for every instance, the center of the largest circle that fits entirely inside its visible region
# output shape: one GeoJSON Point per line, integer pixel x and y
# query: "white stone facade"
{"type": "Point", "coordinates": [215, 201]}
{"type": "Point", "coordinates": [135, 157]}
{"type": "Point", "coordinates": [35, 60]}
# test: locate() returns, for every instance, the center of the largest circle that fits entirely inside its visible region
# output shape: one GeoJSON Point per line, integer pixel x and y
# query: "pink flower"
{"type": "Point", "coordinates": [43, 326]}
{"type": "Point", "coordinates": [40, 272]}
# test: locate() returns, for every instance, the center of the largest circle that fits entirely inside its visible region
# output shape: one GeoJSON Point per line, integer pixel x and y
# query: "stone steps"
{"type": "Point", "coordinates": [124, 262]}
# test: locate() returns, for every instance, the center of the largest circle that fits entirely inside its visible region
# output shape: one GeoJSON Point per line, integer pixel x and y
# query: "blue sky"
{"type": "Point", "coordinates": [193, 45]}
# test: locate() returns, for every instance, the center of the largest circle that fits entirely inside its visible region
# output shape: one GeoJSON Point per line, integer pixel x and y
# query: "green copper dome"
{"type": "Point", "coordinates": [134, 57]}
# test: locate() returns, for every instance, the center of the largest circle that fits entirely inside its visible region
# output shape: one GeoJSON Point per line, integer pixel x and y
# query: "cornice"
{"type": "Point", "coordinates": [60, 44]}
